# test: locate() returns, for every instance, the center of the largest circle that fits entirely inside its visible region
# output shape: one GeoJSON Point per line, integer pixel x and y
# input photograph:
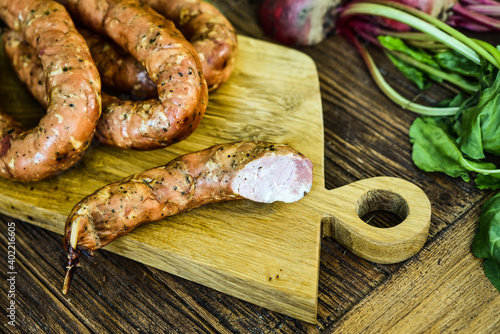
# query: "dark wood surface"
{"type": "Point", "coordinates": [441, 289]}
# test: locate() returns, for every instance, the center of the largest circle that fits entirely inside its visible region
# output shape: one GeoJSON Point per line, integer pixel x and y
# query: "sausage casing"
{"type": "Point", "coordinates": [73, 89]}
{"type": "Point", "coordinates": [259, 171]}
{"type": "Point", "coordinates": [211, 34]}
{"type": "Point", "coordinates": [172, 63]}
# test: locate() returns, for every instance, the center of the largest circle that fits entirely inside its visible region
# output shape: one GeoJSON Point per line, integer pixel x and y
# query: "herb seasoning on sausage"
{"type": "Point", "coordinates": [211, 34]}
{"type": "Point", "coordinates": [73, 90]}
{"type": "Point", "coordinates": [172, 63]}
{"type": "Point", "coordinates": [258, 171]}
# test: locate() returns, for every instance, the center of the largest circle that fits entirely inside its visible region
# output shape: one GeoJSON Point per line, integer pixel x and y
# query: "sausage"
{"type": "Point", "coordinates": [26, 63]}
{"type": "Point", "coordinates": [119, 71]}
{"type": "Point", "coordinates": [211, 34]}
{"type": "Point", "coordinates": [171, 62]}
{"type": "Point", "coordinates": [73, 89]}
{"type": "Point", "coordinates": [28, 68]}
{"type": "Point", "coordinates": [208, 30]}
{"type": "Point", "coordinates": [258, 171]}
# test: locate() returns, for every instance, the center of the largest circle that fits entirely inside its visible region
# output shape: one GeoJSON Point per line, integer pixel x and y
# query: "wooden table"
{"type": "Point", "coordinates": [441, 289]}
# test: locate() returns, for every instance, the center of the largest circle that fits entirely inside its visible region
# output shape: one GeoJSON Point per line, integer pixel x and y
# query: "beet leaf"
{"type": "Point", "coordinates": [486, 242]}
{"type": "Point", "coordinates": [455, 136]}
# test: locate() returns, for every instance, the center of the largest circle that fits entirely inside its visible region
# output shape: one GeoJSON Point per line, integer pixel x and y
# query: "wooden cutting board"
{"type": "Point", "coordinates": [264, 254]}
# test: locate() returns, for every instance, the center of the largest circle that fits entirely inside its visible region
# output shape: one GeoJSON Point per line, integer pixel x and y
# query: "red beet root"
{"type": "Point", "coordinates": [298, 22]}
{"type": "Point", "coordinates": [308, 22]}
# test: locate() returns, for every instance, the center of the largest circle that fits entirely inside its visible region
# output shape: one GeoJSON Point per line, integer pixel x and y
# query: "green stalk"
{"type": "Point", "coordinates": [482, 171]}
{"type": "Point", "coordinates": [417, 39]}
{"type": "Point", "coordinates": [447, 35]}
{"type": "Point", "coordinates": [454, 79]}
{"type": "Point", "coordinates": [395, 96]}
{"type": "Point", "coordinates": [490, 48]}
{"type": "Point", "coordinates": [408, 35]}
{"type": "Point", "coordinates": [427, 45]}
{"type": "Point", "coordinates": [442, 26]}
{"type": "Point", "coordinates": [480, 49]}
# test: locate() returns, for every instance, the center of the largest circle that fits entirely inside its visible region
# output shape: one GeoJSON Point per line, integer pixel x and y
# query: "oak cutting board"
{"type": "Point", "coordinates": [265, 254]}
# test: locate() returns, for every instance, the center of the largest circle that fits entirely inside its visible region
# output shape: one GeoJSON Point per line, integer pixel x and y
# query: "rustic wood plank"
{"type": "Point", "coordinates": [115, 295]}
{"type": "Point", "coordinates": [27, 299]}
{"type": "Point", "coordinates": [243, 16]}
{"type": "Point", "coordinates": [442, 289]}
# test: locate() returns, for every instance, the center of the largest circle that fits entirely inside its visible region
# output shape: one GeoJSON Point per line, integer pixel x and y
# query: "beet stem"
{"type": "Point", "coordinates": [387, 89]}
{"type": "Point", "coordinates": [476, 17]}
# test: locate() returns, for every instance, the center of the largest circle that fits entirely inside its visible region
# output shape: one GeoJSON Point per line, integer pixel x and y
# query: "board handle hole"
{"type": "Point", "coordinates": [382, 208]}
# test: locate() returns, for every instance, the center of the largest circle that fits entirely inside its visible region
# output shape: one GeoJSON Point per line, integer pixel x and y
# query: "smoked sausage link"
{"type": "Point", "coordinates": [119, 71]}
{"type": "Point", "coordinates": [73, 94]}
{"type": "Point", "coordinates": [211, 34]}
{"type": "Point", "coordinates": [258, 171]}
{"type": "Point", "coordinates": [172, 63]}
{"type": "Point", "coordinates": [26, 63]}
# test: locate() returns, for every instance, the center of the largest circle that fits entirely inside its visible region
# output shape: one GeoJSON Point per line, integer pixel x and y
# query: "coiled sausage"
{"type": "Point", "coordinates": [73, 90]}
{"type": "Point", "coordinates": [119, 71]}
{"type": "Point", "coordinates": [171, 62]}
{"type": "Point", "coordinates": [211, 34]}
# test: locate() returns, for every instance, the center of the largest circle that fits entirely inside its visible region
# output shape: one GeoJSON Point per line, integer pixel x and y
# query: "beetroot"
{"type": "Point", "coordinates": [308, 22]}
{"type": "Point", "coordinates": [473, 15]}
{"type": "Point", "coordinates": [298, 22]}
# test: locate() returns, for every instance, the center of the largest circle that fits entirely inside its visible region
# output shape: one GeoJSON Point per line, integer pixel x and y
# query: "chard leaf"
{"type": "Point", "coordinates": [455, 62]}
{"type": "Point", "coordinates": [412, 73]}
{"type": "Point", "coordinates": [490, 181]}
{"type": "Point", "coordinates": [486, 242]}
{"type": "Point", "coordinates": [396, 44]}
{"type": "Point", "coordinates": [492, 270]}
{"type": "Point", "coordinates": [479, 122]}
{"type": "Point", "coordinates": [457, 101]}
{"type": "Point", "coordinates": [435, 149]}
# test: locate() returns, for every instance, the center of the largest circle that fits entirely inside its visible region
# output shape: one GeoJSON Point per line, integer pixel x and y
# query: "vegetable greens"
{"type": "Point", "coordinates": [486, 243]}
{"type": "Point", "coordinates": [456, 136]}
{"type": "Point", "coordinates": [435, 149]}
{"type": "Point", "coordinates": [480, 125]}
{"type": "Point", "coordinates": [419, 77]}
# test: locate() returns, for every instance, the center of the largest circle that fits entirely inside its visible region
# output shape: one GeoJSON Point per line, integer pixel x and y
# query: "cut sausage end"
{"type": "Point", "coordinates": [275, 178]}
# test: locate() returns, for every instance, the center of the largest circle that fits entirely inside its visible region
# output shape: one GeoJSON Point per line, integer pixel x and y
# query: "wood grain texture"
{"type": "Point", "coordinates": [364, 136]}
{"type": "Point", "coordinates": [393, 244]}
{"type": "Point", "coordinates": [438, 290]}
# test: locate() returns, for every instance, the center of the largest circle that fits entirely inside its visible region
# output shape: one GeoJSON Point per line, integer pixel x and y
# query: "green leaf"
{"type": "Point", "coordinates": [396, 44]}
{"type": "Point", "coordinates": [455, 62]}
{"type": "Point", "coordinates": [480, 121]}
{"type": "Point", "coordinates": [435, 149]}
{"type": "Point", "coordinates": [492, 270]}
{"type": "Point", "coordinates": [486, 242]}
{"type": "Point", "coordinates": [491, 181]}
{"type": "Point", "coordinates": [413, 74]}
{"type": "Point", "coordinates": [457, 101]}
